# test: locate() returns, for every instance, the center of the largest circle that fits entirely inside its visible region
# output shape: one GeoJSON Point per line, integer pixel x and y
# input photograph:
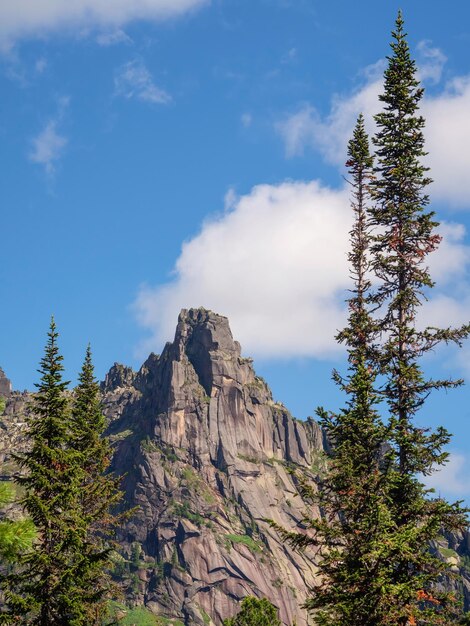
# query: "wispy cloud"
{"type": "Point", "coordinates": [49, 145]}
{"type": "Point", "coordinates": [41, 65]}
{"type": "Point", "coordinates": [24, 18]}
{"type": "Point", "coordinates": [113, 38]}
{"type": "Point", "coordinates": [133, 80]}
{"type": "Point", "coordinates": [431, 61]}
{"type": "Point", "coordinates": [247, 120]}
{"type": "Point", "coordinates": [289, 57]}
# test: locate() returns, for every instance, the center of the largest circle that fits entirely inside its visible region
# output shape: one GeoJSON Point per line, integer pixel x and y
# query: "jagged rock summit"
{"type": "Point", "coordinates": [206, 452]}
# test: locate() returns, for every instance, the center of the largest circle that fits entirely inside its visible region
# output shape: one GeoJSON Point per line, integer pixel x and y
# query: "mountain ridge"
{"type": "Point", "coordinates": [206, 455]}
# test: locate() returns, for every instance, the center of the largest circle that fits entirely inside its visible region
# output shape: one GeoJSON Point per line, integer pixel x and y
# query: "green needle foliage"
{"type": "Point", "coordinates": [255, 612]}
{"type": "Point", "coordinates": [15, 536]}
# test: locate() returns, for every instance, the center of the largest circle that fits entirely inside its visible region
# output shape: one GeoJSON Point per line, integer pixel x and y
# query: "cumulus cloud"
{"type": "Point", "coordinates": [133, 80]}
{"type": "Point", "coordinates": [274, 262]}
{"type": "Point", "coordinates": [449, 264]}
{"type": "Point", "coordinates": [447, 140]}
{"type": "Point", "coordinates": [305, 128]}
{"type": "Point", "coordinates": [447, 126]}
{"type": "Point", "coordinates": [453, 478]}
{"type": "Point", "coordinates": [24, 18]}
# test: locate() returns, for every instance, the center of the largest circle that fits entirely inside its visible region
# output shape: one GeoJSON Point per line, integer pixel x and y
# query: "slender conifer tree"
{"type": "Point", "coordinates": [62, 580]}
{"type": "Point", "coordinates": [379, 521]}
{"type": "Point", "coordinates": [405, 234]}
{"type": "Point", "coordinates": [351, 533]}
{"type": "Point", "coordinates": [43, 592]}
{"type": "Point", "coordinates": [355, 520]}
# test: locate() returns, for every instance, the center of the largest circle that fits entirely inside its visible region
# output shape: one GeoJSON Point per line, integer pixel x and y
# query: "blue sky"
{"type": "Point", "coordinates": [173, 153]}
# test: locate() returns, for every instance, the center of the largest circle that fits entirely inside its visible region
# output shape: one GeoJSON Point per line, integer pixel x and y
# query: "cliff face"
{"type": "Point", "coordinates": [206, 454]}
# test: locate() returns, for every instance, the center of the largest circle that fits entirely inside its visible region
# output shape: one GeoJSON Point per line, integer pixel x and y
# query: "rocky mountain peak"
{"type": "Point", "coordinates": [118, 376]}
{"type": "Point", "coordinates": [206, 453]}
{"type": "Point", "coordinates": [206, 339]}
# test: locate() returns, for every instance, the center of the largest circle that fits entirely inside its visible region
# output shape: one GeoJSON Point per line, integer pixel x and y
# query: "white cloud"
{"type": "Point", "coordinates": [306, 129]}
{"type": "Point", "coordinates": [449, 264]}
{"type": "Point", "coordinates": [432, 61]}
{"type": "Point", "coordinates": [274, 262]}
{"type": "Point", "coordinates": [447, 129]}
{"type": "Point", "coordinates": [448, 141]}
{"type": "Point", "coordinates": [48, 147]}
{"type": "Point", "coordinates": [453, 478]}
{"type": "Point", "coordinates": [113, 38]}
{"type": "Point", "coordinates": [23, 18]}
{"type": "Point", "coordinates": [133, 80]}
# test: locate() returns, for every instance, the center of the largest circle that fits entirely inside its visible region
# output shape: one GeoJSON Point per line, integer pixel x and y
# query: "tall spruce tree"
{"type": "Point", "coordinates": [376, 567]}
{"type": "Point", "coordinates": [405, 234]}
{"type": "Point", "coordinates": [43, 590]}
{"type": "Point", "coordinates": [62, 580]}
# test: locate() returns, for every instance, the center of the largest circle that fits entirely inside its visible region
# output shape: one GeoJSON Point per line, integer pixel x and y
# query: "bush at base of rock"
{"type": "Point", "coordinates": [255, 612]}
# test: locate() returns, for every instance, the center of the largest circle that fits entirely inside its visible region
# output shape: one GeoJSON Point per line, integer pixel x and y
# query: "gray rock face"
{"type": "Point", "coordinates": [206, 453]}
{"type": "Point", "coordinates": [5, 385]}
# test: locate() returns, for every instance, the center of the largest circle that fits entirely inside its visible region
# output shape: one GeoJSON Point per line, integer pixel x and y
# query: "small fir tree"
{"type": "Point", "coordinates": [255, 612]}
{"type": "Point", "coordinates": [99, 492]}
